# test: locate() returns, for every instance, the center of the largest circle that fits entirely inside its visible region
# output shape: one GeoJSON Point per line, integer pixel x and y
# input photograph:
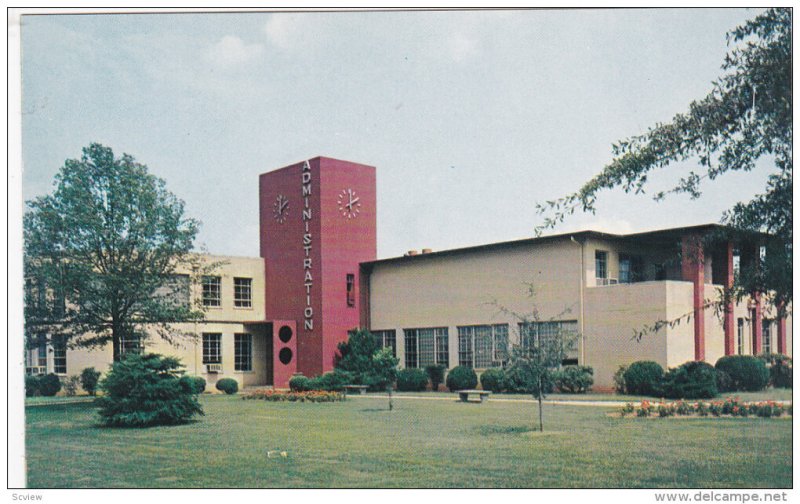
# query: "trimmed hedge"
{"type": "Point", "coordinates": [228, 385]}
{"type": "Point", "coordinates": [49, 385]}
{"type": "Point", "coordinates": [436, 375]}
{"type": "Point", "coordinates": [643, 378]}
{"type": "Point", "coordinates": [31, 385]}
{"type": "Point", "coordinates": [332, 381]}
{"type": "Point", "coordinates": [747, 373]}
{"type": "Point", "coordinates": [300, 383]}
{"type": "Point", "coordinates": [574, 379]}
{"type": "Point", "coordinates": [691, 380]}
{"type": "Point", "coordinates": [411, 380]}
{"type": "Point", "coordinates": [194, 384]}
{"type": "Point", "coordinates": [461, 378]}
{"type": "Point", "coordinates": [493, 379]}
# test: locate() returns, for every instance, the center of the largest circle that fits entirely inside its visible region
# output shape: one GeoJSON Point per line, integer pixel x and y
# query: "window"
{"type": "Point", "coordinates": [740, 336]}
{"type": "Point", "coordinates": [426, 347]}
{"type": "Point", "coordinates": [601, 265]}
{"type": "Point", "coordinates": [243, 352]}
{"type": "Point", "coordinates": [211, 290]}
{"type": "Point", "coordinates": [36, 356]}
{"type": "Point", "coordinates": [386, 339]}
{"type": "Point", "coordinates": [630, 268]}
{"type": "Point", "coordinates": [242, 292]}
{"type": "Point", "coordinates": [60, 355]}
{"type": "Point", "coordinates": [483, 346]}
{"type": "Point", "coordinates": [766, 336]}
{"type": "Point", "coordinates": [130, 344]}
{"type": "Point", "coordinates": [351, 289]}
{"type": "Point", "coordinates": [175, 291]}
{"type": "Point", "coordinates": [212, 348]}
{"type": "Point", "coordinates": [531, 332]}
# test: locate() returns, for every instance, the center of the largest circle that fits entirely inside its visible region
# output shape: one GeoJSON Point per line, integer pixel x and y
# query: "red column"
{"type": "Point", "coordinates": [757, 324]}
{"type": "Point", "coordinates": [782, 335]}
{"type": "Point", "coordinates": [692, 269]}
{"type": "Point", "coordinates": [730, 343]}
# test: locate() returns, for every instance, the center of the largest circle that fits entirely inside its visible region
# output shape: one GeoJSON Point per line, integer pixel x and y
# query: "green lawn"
{"type": "Point", "coordinates": [358, 443]}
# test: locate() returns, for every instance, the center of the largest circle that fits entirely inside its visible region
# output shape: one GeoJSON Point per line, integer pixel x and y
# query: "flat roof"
{"type": "Point", "coordinates": [659, 234]}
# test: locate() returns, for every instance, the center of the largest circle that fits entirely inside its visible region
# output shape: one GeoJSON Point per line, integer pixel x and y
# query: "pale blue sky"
{"type": "Point", "coordinates": [469, 117]}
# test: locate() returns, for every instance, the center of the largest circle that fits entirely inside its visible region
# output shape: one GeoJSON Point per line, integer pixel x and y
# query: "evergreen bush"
{"type": "Point", "coordinates": [691, 380]}
{"type": "Point", "coordinates": [195, 384]}
{"type": "Point", "coordinates": [31, 385]}
{"type": "Point", "coordinates": [574, 379]}
{"type": "Point", "coordinates": [619, 379]}
{"type": "Point", "coordinates": [228, 385]}
{"type": "Point", "coordinates": [780, 369]}
{"type": "Point", "coordinates": [89, 379]}
{"type": "Point", "coordinates": [145, 390]}
{"type": "Point", "coordinates": [411, 380]}
{"type": "Point", "coordinates": [747, 373]}
{"type": "Point", "coordinates": [300, 383]}
{"type": "Point", "coordinates": [332, 381]}
{"type": "Point", "coordinates": [436, 375]}
{"type": "Point", "coordinates": [49, 385]}
{"type": "Point", "coordinates": [493, 379]}
{"type": "Point", "coordinates": [461, 378]}
{"type": "Point", "coordinates": [643, 378]}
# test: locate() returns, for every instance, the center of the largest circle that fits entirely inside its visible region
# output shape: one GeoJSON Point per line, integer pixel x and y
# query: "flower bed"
{"type": "Point", "coordinates": [731, 406]}
{"type": "Point", "coordinates": [315, 396]}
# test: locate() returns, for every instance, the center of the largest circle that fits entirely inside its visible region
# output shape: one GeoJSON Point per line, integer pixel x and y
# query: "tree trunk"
{"type": "Point", "coordinates": [541, 426]}
{"type": "Point", "coordinates": [389, 390]}
{"type": "Point", "coordinates": [115, 340]}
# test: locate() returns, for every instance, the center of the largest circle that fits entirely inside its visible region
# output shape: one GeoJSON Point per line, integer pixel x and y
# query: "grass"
{"type": "Point", "coordinates": [764, 395]}
{"type": "Point", "coordinates": [359, 443]}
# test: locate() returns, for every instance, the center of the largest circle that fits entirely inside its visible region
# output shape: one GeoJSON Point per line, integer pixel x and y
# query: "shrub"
{"type": "Point", "coordinates": [574, 379]}
{"type": "Point", "coordinates": [333, 381]}
{"type": "Point", "coordinates": [493, 379]}
{"type": "Point", "coordinates": [514, 381]}
{"type": "Point", "coordinates": [228, 385]}
{"type": "Point", "coordinates": [49, 385]}
{"type": "Point", "coordinates": [89, 379]}
{"type": "Point", "coordinates": [643, 378]}
{"type": "Point", "coordinates": [619, 379]}
{"type": "Point", "coordinates": [724, 382]}
{"type": "Point", "coordinates": [780, 374]}
{"type": "Point", "coordinates": [411, 380]}
{"type": "Point", "coordinates": [194, 384]}
{"type": "Point", "coordinates": [144, 390]}
{"type": "Point", "coordinates": [436, 374]}
{"type": "Point", "coordinates": [691, 380]}
{"type": "Point", "coordinates": [300, 383]}
{"type": "Point", "coordinates": [71, 385]}
{"type": "Point", "coordinates": [31, 385]}
{"type": "Point", "coordinates": [461, 378]}
{"type": "Point", "coordinates": [747, 372]}
{"type": "Point", "coordinates": [780, 369]}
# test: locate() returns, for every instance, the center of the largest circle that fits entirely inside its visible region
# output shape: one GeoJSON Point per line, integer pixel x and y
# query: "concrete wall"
{"type": "Point", "coordinates": [225, 319]}
{"type": "Point", "coordinates": [473, 287]}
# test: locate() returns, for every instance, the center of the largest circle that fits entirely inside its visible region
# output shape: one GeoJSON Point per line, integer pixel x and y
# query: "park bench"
{"type": "Point", "coordinates": [464, 394]}
{"type": "Point", "coordinates": [362, 389]}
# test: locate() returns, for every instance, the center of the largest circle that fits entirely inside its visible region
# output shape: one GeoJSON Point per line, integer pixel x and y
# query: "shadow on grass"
{"type": "Point", "coordinates": [507, 429]}
{"type": "Point", "coordinates": [375, 410]}
{"type": "Point", "coordinates": [148, 426]}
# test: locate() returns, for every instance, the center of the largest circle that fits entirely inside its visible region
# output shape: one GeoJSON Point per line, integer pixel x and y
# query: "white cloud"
{"type": "Point", "coordinates": [231, 50]}
{"type": "Point", "coordinates": [282, 29]}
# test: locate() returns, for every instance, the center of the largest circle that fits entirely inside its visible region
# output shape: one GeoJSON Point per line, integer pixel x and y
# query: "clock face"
{"type": "Point", "coordinates": [280, 209]}
{"type": "Point", "coordinates": [349, 203]}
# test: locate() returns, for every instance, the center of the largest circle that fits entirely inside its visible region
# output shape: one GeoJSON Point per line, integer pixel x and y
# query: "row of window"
{"type": "Point", "coordinates": [766, 336]}
{"type": "Point", "coordinates": [36, 357]}
{"type": "Point", "coordinates": [242, 291]}
{"type": "Point", "coordinates": [242, 350]}
{"type": "Point", "coordinates": [480, 346]}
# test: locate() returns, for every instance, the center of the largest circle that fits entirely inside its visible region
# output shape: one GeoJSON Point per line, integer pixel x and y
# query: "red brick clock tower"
{"type": "Point", "coordinates": [318, 222]}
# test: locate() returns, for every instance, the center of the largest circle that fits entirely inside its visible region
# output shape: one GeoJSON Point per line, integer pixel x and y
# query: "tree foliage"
{"type": "Point", "coordinates": [365, 361]}
{"type": "Point", "coordinates": [746, 116]}
{"type": "Point", "coordinates": [101, 253]}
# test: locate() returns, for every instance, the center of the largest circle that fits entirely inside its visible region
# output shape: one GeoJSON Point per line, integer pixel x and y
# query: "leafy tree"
{"type": "Point", "coordinates": [101, 253]}
{"type": "Point", "coordinates": [144, 390]}
{"type": "Point", "coordinates": [746, 116]}
{"type": "Point", "coordinates": [535, 362]}
{"type": "Point", "coordinates": [366, 362]}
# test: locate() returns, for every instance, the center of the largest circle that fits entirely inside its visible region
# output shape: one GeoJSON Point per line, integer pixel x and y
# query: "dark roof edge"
{"type": "Point", "coordinates": [545, 239]}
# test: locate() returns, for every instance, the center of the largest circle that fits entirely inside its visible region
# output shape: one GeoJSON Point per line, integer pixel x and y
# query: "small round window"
{"type": "Point", "coordinates": [285, 356]}
{"type": "Point", "coordinates": [285, 333]}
